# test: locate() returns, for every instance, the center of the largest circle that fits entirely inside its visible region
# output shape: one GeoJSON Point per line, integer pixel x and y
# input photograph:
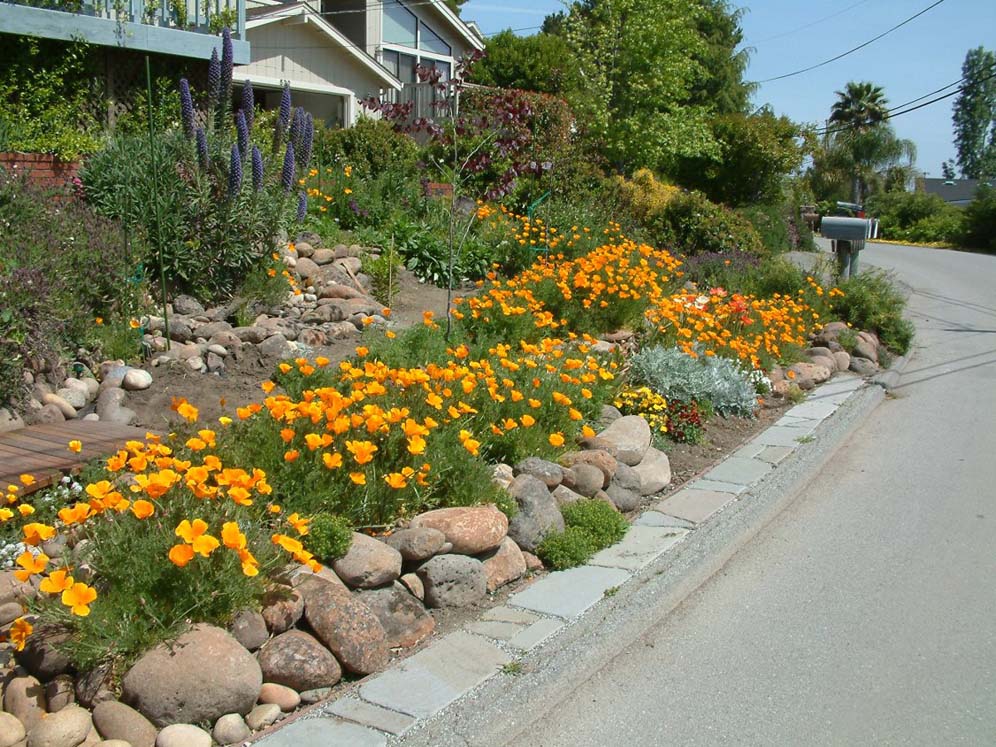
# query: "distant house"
{"type": "Point", "coordinates": [958, 192]}
{"type": "Point", "coordinates": [350, 50]}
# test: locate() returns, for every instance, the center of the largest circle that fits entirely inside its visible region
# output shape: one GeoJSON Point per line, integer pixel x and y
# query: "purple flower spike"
{"type": "Point", "coordinates": [242, 131]}
{"type": "Point", "coordinates": [227, 61]}
{"type": "Point", "coordinates": [287, 175]}
{"type": "Point", "coordinates": [186, 108]}
{"type": "Point", "coordinates": [307, 141]}
{"type": "Point", "coordinates": [213, 76]}
{"type": "Point", "coordinates": [202, 149]}
{"type": "Point", "coordinates": [248, 104]}
{"type": "Point", "coordinates": [296, 126]}
{"type": "Point", "coordinates": [235, 173]}
{"type": "Point", "coordinates": [285, 107]}
{"type": "Point", "coordinates": [302, 206]}
{"type": "Point", "coordinates": [257, 169]}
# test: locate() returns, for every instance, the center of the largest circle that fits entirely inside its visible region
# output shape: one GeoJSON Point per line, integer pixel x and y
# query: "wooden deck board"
{"type": "Point", "coordinates": [43, 450]}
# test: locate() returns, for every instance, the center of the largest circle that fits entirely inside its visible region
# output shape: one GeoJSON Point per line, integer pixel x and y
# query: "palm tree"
{"type": "Point", "coordinates": [859, 106]}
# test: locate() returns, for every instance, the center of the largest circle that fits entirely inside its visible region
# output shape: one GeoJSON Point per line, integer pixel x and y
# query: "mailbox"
{"type": "Point", "coordinates": [846, 229]}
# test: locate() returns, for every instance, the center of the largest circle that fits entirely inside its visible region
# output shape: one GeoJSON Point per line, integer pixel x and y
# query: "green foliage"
{"type": "Point", "coordinates": [916, 216]}
{"type": "Point", "coordinates": [721, 382]}
{"type": "Point", "coordinates": [604, 524]}
{"type": "Point", "coordinates": [643, 196]}
{"type": "Point", "coordinates": [572, 547]}
{"type": "Point", "coordinates": [975, 115]}
{"type": "Point", "coordinates": [872, 302]}
{"type": "Point", "coordinates": [329, 537]}
{"type": "Point", "coordinates": [542, 63]}
{"type": "Point", "coordinates": [371, 146]}
{"type": "Point", "coordinates": [755, 154]}
{"type": "Point", "coordinates": [691, 224]}
{"type": "Point", "coordinates": [980, 220]}
{"type": "Point", "coordinates": [45, 96]}
{"type": "Point", "coordinates": [853, 163]}
{"type": "Point", "coordinates": [772, 223]}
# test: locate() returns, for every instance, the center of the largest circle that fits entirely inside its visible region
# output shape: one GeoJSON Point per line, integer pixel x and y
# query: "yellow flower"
{"type": "Point", "coordinates": [358, 478]}
{"type": "Point", "coordinates": [299, 523]}
{"type": "Point", "coordinates": [587, 431]}
{"type": "Point", "coordinates": [57, 582]}
{"type": "Point", "coordinates": [143, 509]}
{"type": "Point", "coordinates": [27, 480]}
{"type": "Point", "coordinates": [30, 565]}
{"type": "Point", "coordinates": [396, 480]}
{"type": "Point", "coordinates": [19, 632]}
{"type": "Point", "coordinates": [332, 461]}
{"type": "Point", "coordinates": [362, 451]}
{"type": "Point", "coordinates": [75, 446]}
{"type": "Point", "coordinates": [35, 534]}
{"type": "Point", "coordinates": [194, 534]}
{"type": "Point", "coordinates": [180, 555]}
{"type": "Point", "coordinates": [99, 320]}
{"type": "Point", "coordinates": [78, 598]}
{"type": "Point", "coordinates": [556, 439]}
{"type": "Point", "coordinates": [134, 323]}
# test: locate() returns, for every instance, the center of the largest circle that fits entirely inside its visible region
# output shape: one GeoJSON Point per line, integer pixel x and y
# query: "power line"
{"type": "Point", "coordinates": [811, 24]}
{"type": "Point", "coordinates": [850, 51]}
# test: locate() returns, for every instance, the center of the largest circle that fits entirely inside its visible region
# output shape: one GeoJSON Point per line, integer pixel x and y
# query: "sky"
{"type": "Point", "coordinates": [787, 35]}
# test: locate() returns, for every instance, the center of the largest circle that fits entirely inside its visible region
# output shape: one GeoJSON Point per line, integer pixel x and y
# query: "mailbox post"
{"type": "Point", "coordinates": [847, 237]}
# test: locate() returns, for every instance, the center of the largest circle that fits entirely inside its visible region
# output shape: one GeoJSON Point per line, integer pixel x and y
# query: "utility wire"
{"type": "Point", "coordinates": [850, 51]}
{"type": "Point", "coordinates": [809, 25]}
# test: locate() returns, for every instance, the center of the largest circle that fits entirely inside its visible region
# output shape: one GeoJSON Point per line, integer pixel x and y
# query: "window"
{"type": "Point", "coordinates": [442, 67]}
{"type": "Point", "coordinates": [401, 66]}
{"type": "Point", "coordinates": [430, 41]}
{"type": "Point", "coordinates": [400, 24]}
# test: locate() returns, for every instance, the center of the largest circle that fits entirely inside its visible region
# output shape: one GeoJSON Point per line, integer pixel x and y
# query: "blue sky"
{"type": "Point", "coordinates": [920, 57]}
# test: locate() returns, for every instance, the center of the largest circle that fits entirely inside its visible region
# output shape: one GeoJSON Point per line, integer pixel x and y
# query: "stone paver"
{"type": "Point", "coordinates": [368, 714]}
{"type": "Point", "coordinates": [694, 505]}
{"type": "Point", "coordinates": [511, 614]}
{"type": "Point", "coordinates": [639, 547]}
{"type": "Point", "coordinates": [795, 422]}
{"type": "Point", "coordinates": [568, 593]}
{"type": "Point", "coordinates": [535, 634]}
{"type": "Point", "coordinates": [717, 486]}
{"type": "Point", "coordinates": [781, 435]}
{"type": "Point", "coordinates": [815, 410]}
{"type": "Point", "coordinates": [497, 629]}
{"type": "Point", "coordinates": [657, 519]}
{"type": "Point", "coordinates": [738, 471]}
{"type": "Point", "coordinates": [774, 454]}
{"type": "Point", "coordinates": [435, 677]}
{"type": "Point", "coordinates": [324, 732]}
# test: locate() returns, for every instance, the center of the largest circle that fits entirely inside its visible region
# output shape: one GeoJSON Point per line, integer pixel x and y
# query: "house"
{"type": "Point", "coordinates": [177, 28]}
{"type": "Point", "coordinates": [350, 50]}
{"type": "Point", "coordinates": [958, 192]}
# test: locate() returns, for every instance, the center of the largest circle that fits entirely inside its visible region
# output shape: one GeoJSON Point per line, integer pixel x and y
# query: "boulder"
{"type": "Point", "coordinates": [14, 590]}
{"type": "Point", "coordinates": [828, 362]}
{"type": "Point", "coordinates": [24, 697]}
{"type": "Point", "coordinates": [537, 516]}
{"type": "Point", "coordinates": [551, 474]}
{"type": "Point", "coordinates": [808, 375]}
{"type": "Point", "coordinates": [111, 408]}
{"type": "Point", "coordinates": [654, 472]}
{"type": "Point", "coordinates": [275, 345]}
{"type": "Point", "coordinates": [60, 692]}
{"type": "Point", "coordinates": [47, 415]}
{"type": "Point", "coordinates": [345, 625]}
{"type": "Point", "coordinates": [323, 256]}
{"type": "Point", "coordinates": [305, 247]}
{"type": "Point", "coordinates": [843, 360]}
{"type": "Point", "coordinates": [183, 735]}
{"type": "Point", "coordinates": [564, 495]}
{"type": "Point", "coordinates": [75, 397]}
{"type": "Point", "coordinates": [297, 660]}
{"type": "Point", "coordinates": [404, 618]}
{"type": "Point", "coordinates": [863, 348]}
{"type": "Point", "coordinates": [9, 420]}
{"type": "Point", "coordinates": [230, 729]}
{"type": "Point", "coordinates": [863, 366]}
{"type": "Point", "coordinates": [67, 728]}
{"type": "Point", "coordinates": [95, 686]}
{"type": "Point", "coordinates": [187, 305]}
{"type": "Point", "coordinates": [605, 462]}
{"type": "Point", "coordinates": [262, 716]}
{"type": "Point", "coordinates": [253, 334]}
{"type": "Point", "coordinates": [306, 269]}
{"type": "Point", "coordinates": [116, 720]}
{"type": "Point", "coordinates": [227, 678]}
{"type": "Point", "coordinates": [453, 580]}
{"type": "Point", "coordinates": [414, 584]}
{"type": "Point", "coordinates": [282, 608]}
{"type": "Point", "coordinates": [11, 730]}
{"type": "Point", "coordinates": [588, 479]}
{"type": "Point", "coordinates": [249, 629]}
{"type": "Point", "coordinates": [417, 543]}
{"type": "Point", "coordinates": [136, 379]}
{"type": "Point", "coordinates": [42, 655]}
{"type": "Point", "coordinates": [368, 563]}
{"type": "Point", "coordinates": [504, 565]}
{"type": "Point", "coordinates": [67, 410]}
{"type": "Point", "coordinates": [470, 529]}
{"type": "Point", "coordinates": [627, 438]}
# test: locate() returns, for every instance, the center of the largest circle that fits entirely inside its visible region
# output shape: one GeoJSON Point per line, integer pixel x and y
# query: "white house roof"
{"type": "Point", "coordinates": [303, 12]}
{"type": "Point", "coordinates": [459, 25]}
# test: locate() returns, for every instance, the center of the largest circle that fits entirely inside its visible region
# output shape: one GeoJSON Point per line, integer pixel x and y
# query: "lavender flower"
{"type": "Point", "coordinates": [186, 108]}
{"type": "Point", "coordinates": [296, 126]}
{"type": "Point", "coordinates": [227, 61]}
{"type": "Point", "coordinates": [242, 131]}
{"type": "Point", "coordinates": [257, 169]}
{"type": "Point", "coordinates": [302, 206]}
{"type": "Point", "coordinates": [235, 173]}
{"type": "Point", "coordinates": [202, 149]}
{"type": "Point", "coordinates": [213, 79]}
{"type": "Point", "coordinates": [287, 175]}
{"type": "Point", "coordinates": [307, 141]}
{"type": "Point", "coordinates": [285, 107]}
{"type": "Point", "coordinates": [248, 104]}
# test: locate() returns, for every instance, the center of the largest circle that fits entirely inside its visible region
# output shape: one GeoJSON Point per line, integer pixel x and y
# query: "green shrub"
{"type": "Point", "coordinates": [329, 537]}
{"type": "Point", "coordinates": [676, 375]}
{"type": "Point", "coordinates": [371, 146]}
{"type": "Point", "coordinates": [691, 224]}
{"type": "Point", "coordinates": [604, 524]}
{"type": "Point", "coordinates": [980, 221]}
{"type": "Point", "coordinates": [572, 547]}
{"type": "Point", "coordinates": [916, 216]}
{"type": "Point", "coordinates": [872, 302]}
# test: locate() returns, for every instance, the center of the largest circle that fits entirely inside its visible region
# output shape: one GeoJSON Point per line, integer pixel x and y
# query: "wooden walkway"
{"type": "Point", "coordinates": [43, 450]}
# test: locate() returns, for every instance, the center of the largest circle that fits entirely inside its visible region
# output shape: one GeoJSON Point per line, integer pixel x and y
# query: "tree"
{"type": "Point", "coordinates": [856, 162]}
{"type": "Point", "coordinates": [947, 170]}
{"type": "Point", "coordinates": [975, 115]}
{"type": "Point", "coordinates": [721, 85]}
{"type": "Point", "coordinates": [859, 106]}
{"type": "Point", "coordinates": [542, 63]}
{"type": "Point", "coordinates": [639, 61]}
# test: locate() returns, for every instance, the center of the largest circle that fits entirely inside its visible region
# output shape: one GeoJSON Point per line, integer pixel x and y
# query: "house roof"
{"type": "Point", "coordinates": [459, 25]}
{"type": "Point", "coordinates": [262, 16]}
{"type": "Point", "coordinates": [956, 191]}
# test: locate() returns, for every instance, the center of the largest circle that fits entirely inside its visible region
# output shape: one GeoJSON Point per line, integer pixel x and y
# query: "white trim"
{"type": "Point", "coordinates": [305, 11]}
{"type": "Point", "coordinates": [475, 41]}
{"type": "Point", "coordinates": [268, 81]}
{"type": "Point", "coordinates": [417, 53]}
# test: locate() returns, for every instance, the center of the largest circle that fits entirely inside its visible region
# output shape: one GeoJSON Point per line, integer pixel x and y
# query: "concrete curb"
{"type": "Point", "coordinates": [567, 625]}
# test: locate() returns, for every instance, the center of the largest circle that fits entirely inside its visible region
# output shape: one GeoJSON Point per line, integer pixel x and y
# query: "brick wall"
{"type": "Point", "coordinates": [42, 169]}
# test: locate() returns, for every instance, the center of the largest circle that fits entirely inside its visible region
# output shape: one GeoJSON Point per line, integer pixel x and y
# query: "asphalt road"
{"type": "Point", "coordinates": [866, 612]}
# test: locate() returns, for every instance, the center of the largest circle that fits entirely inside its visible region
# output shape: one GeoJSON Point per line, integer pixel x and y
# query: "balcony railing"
{"type": "Point", "coordinates": [179, 27]}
